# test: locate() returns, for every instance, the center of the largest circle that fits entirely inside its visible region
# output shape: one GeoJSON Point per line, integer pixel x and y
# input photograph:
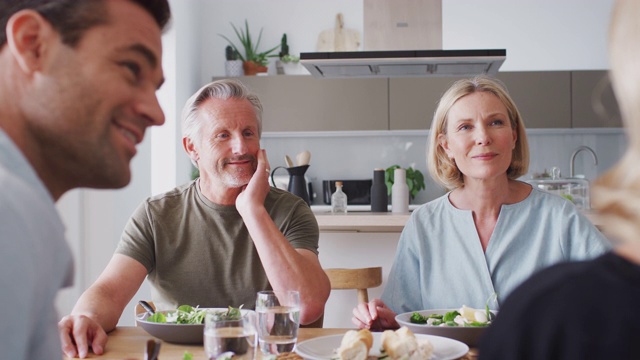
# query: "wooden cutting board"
{"type": "Point", "coordinates": [338, 38]}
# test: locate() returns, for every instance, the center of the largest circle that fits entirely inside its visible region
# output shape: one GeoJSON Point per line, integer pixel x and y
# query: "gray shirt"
{"type": "Point", "coordinates": [440, 262]}
{"type": "Point", "coordinates": [35, 260]}
{"type": "Point", "coordinates": [201, 254]}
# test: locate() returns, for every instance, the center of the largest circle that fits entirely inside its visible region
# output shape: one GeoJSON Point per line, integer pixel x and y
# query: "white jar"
{"type": "Point", "coordinates": [400, 192]}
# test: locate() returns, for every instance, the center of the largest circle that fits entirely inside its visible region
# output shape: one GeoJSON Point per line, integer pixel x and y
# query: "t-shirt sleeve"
{"type": "Point", "coordinates": [137, 238]}
{"type": "Point", "coordinates": [302, 229]}
{"type": "Point", "coordinates": [583, 240]}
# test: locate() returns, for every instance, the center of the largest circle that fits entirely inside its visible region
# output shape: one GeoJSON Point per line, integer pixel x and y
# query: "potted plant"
{"type": "Point", "coordinates": [233, 65]}
{"type": "Point", "coordinates": [287, 64]}
{"type": "Point", "coordinates": [254, 61]}
{"type": "Point", "coordinates": [415, 180]}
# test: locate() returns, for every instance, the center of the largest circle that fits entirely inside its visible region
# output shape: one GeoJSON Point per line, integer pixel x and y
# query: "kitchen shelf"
{"type": "Point", "coordinates": [366, 221]}
{"type": "Point", "coordinates": [361, 221]}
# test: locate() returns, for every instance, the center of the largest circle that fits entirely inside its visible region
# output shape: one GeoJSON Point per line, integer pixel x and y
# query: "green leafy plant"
{"type": "Point", "coordinates": [415, 180]}
{"type": "Point", "coordinates": [251, 52]}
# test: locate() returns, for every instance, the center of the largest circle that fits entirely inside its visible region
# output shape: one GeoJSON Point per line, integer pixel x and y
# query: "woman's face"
{"type": "Point", "coordinates": [479, 137]}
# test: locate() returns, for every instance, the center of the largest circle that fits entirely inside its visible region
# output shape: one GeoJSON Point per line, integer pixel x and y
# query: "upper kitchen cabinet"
{"type": "Point", "coordinates": [412, 101]}
{"type": "Point", "coordinates": [543, 98]}
{"type": "Point", "coordinates": [593, 103]}
{"type": "Point", "coordinates": [304, 103]}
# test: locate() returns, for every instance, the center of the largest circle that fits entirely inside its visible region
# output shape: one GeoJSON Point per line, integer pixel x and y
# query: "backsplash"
{"type": "Point", "coordinates": [354, 155]}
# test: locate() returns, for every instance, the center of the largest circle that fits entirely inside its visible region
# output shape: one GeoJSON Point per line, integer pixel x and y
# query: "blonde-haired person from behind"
{"type": "Point", "coordinates": [589, 310]}
{"type": "Point", "coordinates": [491, 231]}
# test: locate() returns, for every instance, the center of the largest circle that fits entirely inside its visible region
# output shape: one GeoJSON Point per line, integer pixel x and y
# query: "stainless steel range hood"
{"type": "Point", "coordinates": [402, 38]}
{"type": "Point", "coordinates": [403, 63]}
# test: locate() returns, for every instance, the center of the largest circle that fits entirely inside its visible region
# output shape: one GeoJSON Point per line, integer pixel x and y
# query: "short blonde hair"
{"type": "Point", "coordinates": [616, 195]}
{"type": "Point", "coordinates": [440, 166]}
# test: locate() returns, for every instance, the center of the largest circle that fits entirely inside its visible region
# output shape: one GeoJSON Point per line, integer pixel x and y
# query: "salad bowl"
{"type": "Point", "coordinates": [468, 335]}
{"type": "Point", "coordinates": [188, 334]}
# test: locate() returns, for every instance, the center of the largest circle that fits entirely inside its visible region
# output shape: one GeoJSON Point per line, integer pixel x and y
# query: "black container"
{"type": "Point", "coordinates": [379, 195]}
{"type": "Point", "coordinates": [358, 191]}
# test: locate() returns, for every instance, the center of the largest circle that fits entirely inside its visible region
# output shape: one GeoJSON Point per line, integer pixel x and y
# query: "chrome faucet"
{"type": "Point", "coordinates": [573, 158]}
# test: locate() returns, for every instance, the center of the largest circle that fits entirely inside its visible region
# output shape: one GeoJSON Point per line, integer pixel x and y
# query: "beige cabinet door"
{"type": "Point", "coordinates": [592, 100]}
{"type": "Point", "coordinates": [412, 101]}
{"type": "Point", "coordinates": [543, 99]}
{"type": "Point", "coordinates": [305, 103]}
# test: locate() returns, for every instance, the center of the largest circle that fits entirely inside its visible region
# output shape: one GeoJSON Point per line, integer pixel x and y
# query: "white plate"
{"type": "Point", "coordinates": [323, 348]}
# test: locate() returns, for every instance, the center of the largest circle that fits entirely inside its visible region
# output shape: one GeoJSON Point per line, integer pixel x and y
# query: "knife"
{"type": "Point", "coordinates": [152, 350]}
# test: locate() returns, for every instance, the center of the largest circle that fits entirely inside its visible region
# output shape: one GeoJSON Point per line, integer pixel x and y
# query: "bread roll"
{"type": "Point", "coordinates": [355, 345]}
{"type": "Point", "coordinates": [403, 344]}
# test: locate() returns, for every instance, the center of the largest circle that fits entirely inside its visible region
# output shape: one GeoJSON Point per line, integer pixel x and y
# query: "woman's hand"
{"type": "Point", "coordinates": [375, 316]}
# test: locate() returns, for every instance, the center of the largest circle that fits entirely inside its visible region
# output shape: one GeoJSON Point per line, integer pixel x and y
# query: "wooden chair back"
{"type": "Point", "coordinates": [360, 279]}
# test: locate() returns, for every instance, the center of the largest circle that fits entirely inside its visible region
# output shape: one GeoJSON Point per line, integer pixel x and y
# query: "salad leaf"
{"type": "Point", "coordinates": [157, 318]}
{"type": "Point", "coordinates": [231, 314]}
{"type": "Point", "coordinates": [416, 318]}
{"type": "Point", "coordinates": [185, 314]}
{"type": "Point", "coordinates": [187, 356]}
{"type": "Point", "coordinates": [450, 316]}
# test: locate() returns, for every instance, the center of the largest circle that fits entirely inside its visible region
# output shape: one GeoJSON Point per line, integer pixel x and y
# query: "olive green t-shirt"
{"type": "Point", "coordinates": [201, 254]}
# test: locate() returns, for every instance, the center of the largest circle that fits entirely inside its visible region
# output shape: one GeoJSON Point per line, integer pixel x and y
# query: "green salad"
{"type": "Point", "coordinates": [187, 314]}
{"type": "Point", "coordinates": [465, 316]}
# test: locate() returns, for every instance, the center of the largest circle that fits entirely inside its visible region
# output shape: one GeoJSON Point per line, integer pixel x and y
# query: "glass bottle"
{"type": "Point", "coordinates": [399, 192]}
{"type": "Point", "coordinates": [339, 200]}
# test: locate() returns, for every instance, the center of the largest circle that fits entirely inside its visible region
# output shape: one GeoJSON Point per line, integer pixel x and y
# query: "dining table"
{"type": "Point", "coordinates": [130, 342]}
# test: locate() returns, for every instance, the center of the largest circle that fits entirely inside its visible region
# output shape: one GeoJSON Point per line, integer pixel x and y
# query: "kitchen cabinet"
{"type": "Point", "coordinates": [543, 99]}
{"type": "Point", "coordinates": [412, 101]}
{"type": "Point", "coordinates": [304, 103]}
{"type": "Point", "coordinates": [546, 99]}
{"type": "Point", "coordinates": [593, 103]}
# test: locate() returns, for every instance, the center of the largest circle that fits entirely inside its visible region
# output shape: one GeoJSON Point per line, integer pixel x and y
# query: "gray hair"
{"type": "Point", "coordinates": [220, 89]}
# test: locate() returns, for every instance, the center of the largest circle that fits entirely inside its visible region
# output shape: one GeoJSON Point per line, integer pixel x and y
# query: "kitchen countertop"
{"type": "Point", "coordinates": [359, 219]}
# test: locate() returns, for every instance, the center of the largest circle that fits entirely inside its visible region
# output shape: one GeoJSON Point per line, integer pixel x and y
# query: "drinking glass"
{"type": "Point", "coordinates": [226, 339]}
{"type": "Point", "coordinates": [278, 321]}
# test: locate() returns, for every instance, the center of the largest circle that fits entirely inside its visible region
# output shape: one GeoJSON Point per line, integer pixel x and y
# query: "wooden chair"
{"type": "Point", "coordinates": [360, 279]}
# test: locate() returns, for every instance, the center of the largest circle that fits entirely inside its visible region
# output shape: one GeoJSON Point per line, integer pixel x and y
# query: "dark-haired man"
{"type": "Point", "coordinates": [78, 83]}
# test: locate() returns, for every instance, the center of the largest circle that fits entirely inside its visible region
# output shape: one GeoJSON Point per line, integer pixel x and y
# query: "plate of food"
{"type": "Point", "coordinates": [464, 324]}
{"type": "Point", "coordinates": [184, 325]}
{"type": "Point", "coordinates": [388, 345]}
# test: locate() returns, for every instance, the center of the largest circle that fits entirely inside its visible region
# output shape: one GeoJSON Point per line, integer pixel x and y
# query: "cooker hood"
{"type": "Point", "coordinates": [403, 63]}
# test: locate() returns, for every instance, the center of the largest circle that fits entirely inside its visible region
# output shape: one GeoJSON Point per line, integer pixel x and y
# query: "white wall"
{"type": "Point", "coordinates": [538, 35]}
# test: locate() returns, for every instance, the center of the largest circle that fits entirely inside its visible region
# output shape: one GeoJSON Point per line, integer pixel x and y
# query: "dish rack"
{"type": "Point", "coordinates": [574, 189]}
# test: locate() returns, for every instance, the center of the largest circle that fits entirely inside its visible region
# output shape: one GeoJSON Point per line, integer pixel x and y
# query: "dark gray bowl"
{"type": "Point", "coordinates": [174, 333]}
{"type": "Point", "coordinates": [467, 335]}
{"type": "Point", "coordinates": [192, 334]}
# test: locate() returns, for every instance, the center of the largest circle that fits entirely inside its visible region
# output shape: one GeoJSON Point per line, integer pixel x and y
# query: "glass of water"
{"type": "Point", "coordinates": [225, 339]}
{"type": "Point", "coordinates": [278, 321]}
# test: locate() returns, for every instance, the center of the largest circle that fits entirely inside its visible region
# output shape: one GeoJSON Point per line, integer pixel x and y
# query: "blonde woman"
{"type": "Point", "coordinates": [491, 231]}
{"type": "Point", "coordinates": [589, 310]}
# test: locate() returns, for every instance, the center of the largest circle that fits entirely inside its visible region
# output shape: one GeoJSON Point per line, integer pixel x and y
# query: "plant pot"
{"type": "Point", "coordinates": [233, 68]}
{"type": "Point", "coordinates": [252, 68]}
{"type": "Point", "coordinates": [290, 68]}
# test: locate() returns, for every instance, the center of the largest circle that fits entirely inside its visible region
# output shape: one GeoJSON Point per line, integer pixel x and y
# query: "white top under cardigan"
{"type": "Point", "coordinates": [440, 264]}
